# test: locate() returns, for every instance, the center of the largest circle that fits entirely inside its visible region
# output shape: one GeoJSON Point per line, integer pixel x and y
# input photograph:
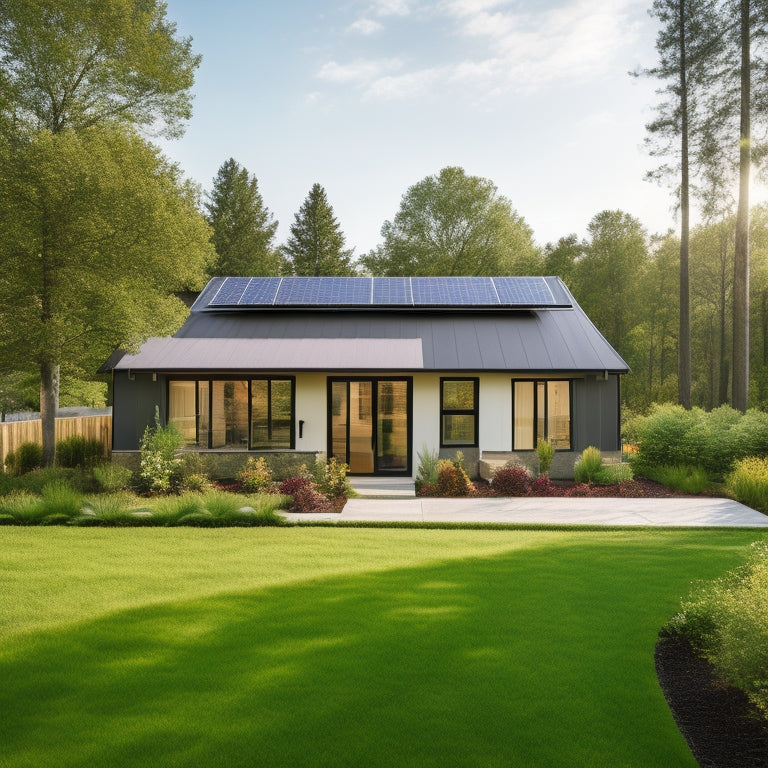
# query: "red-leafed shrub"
{"type": "Point", "coordinates": [631, 489]}
{"type": "Point", "coordinates": [452, 479]}
{"type": "Point", "coordinates": [542, 487]}
{"type": "Point", "coordinates": [511, 481]}
{"type": "Point", "coordinates": [582, 490]}
{"type": "Point", "coordinates": [304, 494]}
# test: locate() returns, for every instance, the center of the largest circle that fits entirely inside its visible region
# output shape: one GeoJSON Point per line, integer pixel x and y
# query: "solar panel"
{"type": "Point", "coordinates": [524, 291]}
{"type": "Point", "coordinates": [230, 291]}
{"type": "Point", "coordinates": [481, 292]}
{"type": "Point", "coordinates": [453, 291]}
{"type": "Point", "coordinates": [392, 290]}
{"type": "Point", "coordinates": [319, 291]}
{"type": "Point", "coordinates": [260, 290]}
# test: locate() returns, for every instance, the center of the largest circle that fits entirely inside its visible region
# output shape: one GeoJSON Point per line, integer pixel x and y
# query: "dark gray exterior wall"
{"type": "Point", "coordinates": [595, 413]}
{"type": "Point", "coordinates": [135, 400]}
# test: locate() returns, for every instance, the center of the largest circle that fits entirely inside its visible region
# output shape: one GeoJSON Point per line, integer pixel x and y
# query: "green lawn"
{"type": "Point", "coordinates": [349, 647]}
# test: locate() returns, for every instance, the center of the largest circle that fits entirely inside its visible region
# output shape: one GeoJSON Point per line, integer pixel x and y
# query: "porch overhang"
{"type": "Point", "coordinates": [237, 354]}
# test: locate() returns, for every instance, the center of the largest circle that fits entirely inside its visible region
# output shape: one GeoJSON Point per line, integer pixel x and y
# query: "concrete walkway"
{"type": "Point", "coordinates": [687, 512]}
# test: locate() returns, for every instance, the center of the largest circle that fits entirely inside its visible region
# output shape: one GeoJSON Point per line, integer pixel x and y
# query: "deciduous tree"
{"type": "Point", "coordinates": [94, 224]}
{"type": "Point", "coordinates": [455, 224]}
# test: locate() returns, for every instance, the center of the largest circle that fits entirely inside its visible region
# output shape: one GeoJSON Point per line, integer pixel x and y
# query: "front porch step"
{"type": "Point", "coordinates": [384, 487]}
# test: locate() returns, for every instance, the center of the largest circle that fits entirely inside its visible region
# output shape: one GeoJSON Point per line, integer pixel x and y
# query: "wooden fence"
{"type": "Point", "coordinates": [14, 433]}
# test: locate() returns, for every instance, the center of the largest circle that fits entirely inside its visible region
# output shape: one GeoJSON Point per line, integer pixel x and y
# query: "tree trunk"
{"type": "Point", "coordinates": [725, 372]}
{"type": "Point", "coordinates": [684, 344]}
{"type": "Point", "coordinates": [49, 403]}
{"type": "Point", "coordinates": [740, 388]}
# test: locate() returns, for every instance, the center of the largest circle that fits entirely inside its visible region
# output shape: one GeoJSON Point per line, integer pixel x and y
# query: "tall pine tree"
{"type": "Point", "coordinates": [687, 43]}
{"type": "Point", "coordinates": [316, 245]}
{"type": "Point", "coordinates": [243, 227]}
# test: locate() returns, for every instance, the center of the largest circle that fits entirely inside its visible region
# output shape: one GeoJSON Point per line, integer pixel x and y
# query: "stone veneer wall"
{"type": "Point", "coordinates": [561, 468]}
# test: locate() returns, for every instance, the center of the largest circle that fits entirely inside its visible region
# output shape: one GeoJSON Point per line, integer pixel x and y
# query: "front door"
{"type": "Point", "coordinates": [369, 425]}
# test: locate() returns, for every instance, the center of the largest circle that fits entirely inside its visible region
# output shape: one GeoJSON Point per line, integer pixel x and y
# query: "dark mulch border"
{"type": "Point", "coordinates": [719, 723]}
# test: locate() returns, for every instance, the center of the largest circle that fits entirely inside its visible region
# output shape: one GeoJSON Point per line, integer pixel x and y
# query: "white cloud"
{"type": "Point", "coordinates": [361, 71]}
{"type": "Point", "coordinates": [510, 51]}
{"type": "Point", "coordinates": [402, 86]}
{"type": "Point", "coordinates": [391, 7]}
{"type": "Point", "coordinates": [365, 27]}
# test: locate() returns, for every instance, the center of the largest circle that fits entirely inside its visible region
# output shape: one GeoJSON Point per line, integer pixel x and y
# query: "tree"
{"type": "Point", "coordinates": [687, 44]}
{"type": "Point", "coordinates": [243, 227]}
{"type": "Point", "coordinates": [96, 232]}
{"type": "Point", "coordinates": [316, 245]}
{"type": "Point", "coordinates": [76, 76]}
{"type": "Point", "coordinates": [79, 63]}
{"type": "Point", "coordinates": [560, 258]}
{"type": "Point", "coordinates": [455, 224]}
{"type": "Point", "coordinates": [608, 279]}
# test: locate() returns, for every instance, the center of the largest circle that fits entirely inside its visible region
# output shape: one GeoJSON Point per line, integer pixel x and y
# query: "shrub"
{"type": "Point", "coordinates": [331, 477]}
{"type": "Point", "coordinates": [511, 481]}
{"type": "Point", "coordinates": [452, 479]}
{"type": "Point", "coordinates": [546, 452]}
{"type": "Point", "coordinates": [108, 506]}
{"type": "Point", "coordinates": [671, 435]}
{"type": "Point", "coordinates": [426, 474]}
{"type": "Point", "coordinates": [727, 621]}
{"type": "Point", "coordinates": [582, 490]}
{"type": "Point", "coordinates": [256, 476]}
{"type": "Point", "coordinates": [541, 486]}
{"type": "Point", "coordinates": [160, 464]}
{"type": "Point", "coordinates": [589, 466]}
{"type": "Point", "coordinates": [748, 483]}
{"type": "Point", "coordinates": [195, 483]}
{"type": "Point", "coordinates": [680, 477]}
{"type": "Point", "coordinates": [27, 457]}
{"type": "Point", "coordinates": [112, 477]}
{"type": "Point", "coordinates": [304, 494]}
{"type": "Point", "coordinates": [76, 451]}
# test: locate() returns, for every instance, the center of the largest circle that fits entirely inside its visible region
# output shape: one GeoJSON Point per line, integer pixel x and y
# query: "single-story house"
{"type": "Point", "coordinates": [372, 370]}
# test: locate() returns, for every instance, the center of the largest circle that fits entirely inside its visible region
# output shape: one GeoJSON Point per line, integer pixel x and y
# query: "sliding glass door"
{"type": "Point", "coordinates": [369, 425]}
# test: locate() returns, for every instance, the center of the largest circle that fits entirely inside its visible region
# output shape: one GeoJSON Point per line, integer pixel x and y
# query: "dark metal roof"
{"type": "Point", "coordinates": [455, 339]}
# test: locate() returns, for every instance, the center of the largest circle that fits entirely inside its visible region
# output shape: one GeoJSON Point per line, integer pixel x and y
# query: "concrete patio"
{"type": "Point", "coordinates": [685, 512]}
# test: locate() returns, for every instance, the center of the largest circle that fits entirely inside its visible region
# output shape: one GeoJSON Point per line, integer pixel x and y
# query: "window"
{"type": "Point", "coordinates": [541, 409]}
{"type": "Point", "coordinates": [458, 412]}
{"type": "Point", "coordinates": [247, 414]}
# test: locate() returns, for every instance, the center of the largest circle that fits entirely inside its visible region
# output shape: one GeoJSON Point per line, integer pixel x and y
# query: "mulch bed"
{"type": "Point", "coordinates": [720, 725]}
{"type": "Point", "coordinates": [644, 487]}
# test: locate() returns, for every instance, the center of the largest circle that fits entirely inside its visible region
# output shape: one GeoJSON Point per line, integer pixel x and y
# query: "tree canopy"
{"type": "Point", "coordinates": [96, 228]}
{"type": "Point", "coordinates": [317, 244]}
{"type": "Point", "coordinates": [96, 232]}
{"type": "Point", "coordinates": [243, 227]}
{"type": "Point", "coordinates": [455, 224]}
{"type": "Point", "coordinates": [79, 63]}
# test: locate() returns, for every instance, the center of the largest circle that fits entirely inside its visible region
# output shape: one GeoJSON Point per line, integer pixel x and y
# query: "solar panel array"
{"type": "Point", "coordinates": [488, 292]}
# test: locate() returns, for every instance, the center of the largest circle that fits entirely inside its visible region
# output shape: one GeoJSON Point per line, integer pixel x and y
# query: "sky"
{"type": "Point", "coordinates": [368, 97]}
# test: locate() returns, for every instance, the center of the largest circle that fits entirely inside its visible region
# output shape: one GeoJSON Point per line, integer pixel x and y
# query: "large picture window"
{"type": "Point", "coordinates": [244, 414]}
{"type": "Point", "coordinates": [458, 412]}
{"type": "Point", "coordinates": [541, 409]}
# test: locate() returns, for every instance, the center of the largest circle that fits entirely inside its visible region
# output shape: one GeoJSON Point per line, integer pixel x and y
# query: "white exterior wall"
{"type": "Point", "coordinates": [495, 410]}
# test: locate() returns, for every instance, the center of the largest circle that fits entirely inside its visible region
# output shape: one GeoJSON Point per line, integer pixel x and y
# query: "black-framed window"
{"type": "Point", "coordinates": [541, 409]}
{"type": "Point", "coordinates": [459, 422]}
{"type": "Point", "coordinates": [255, 413]}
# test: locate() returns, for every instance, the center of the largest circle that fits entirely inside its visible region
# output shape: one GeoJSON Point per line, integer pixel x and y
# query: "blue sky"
{"type": "Point", "coordinates": [367, 97]}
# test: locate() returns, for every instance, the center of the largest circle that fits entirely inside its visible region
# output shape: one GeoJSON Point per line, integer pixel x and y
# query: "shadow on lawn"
{"type": "Point", "coordinates": [539, 657]}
